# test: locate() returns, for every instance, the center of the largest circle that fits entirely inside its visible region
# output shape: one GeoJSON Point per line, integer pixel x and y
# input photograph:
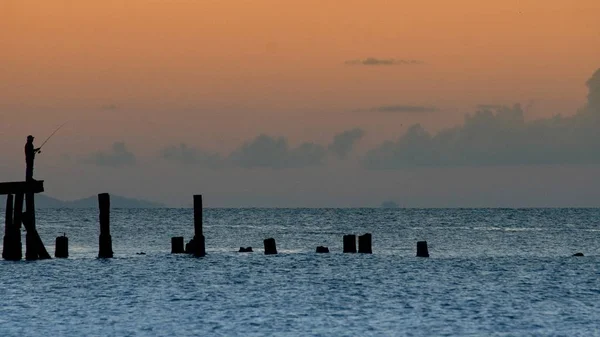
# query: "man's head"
{"type": "Point", "coordinates": [29, 138]}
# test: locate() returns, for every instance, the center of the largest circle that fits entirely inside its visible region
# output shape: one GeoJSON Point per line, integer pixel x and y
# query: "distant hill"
{"type": "Point", "coordinates": [44, 201]}
{"type": "Point", "coordinates": [389, 204]}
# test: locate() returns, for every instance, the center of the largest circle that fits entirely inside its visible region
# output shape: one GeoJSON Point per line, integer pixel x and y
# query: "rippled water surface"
{"type": "Point", "coordinates": [492, 272]}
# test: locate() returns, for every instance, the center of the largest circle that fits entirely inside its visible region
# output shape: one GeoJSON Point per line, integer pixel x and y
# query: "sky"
{"type": "Point", "coordinates": [306, 103]}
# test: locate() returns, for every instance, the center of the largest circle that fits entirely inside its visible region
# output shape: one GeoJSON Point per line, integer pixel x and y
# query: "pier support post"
{"type": "Point", "coordinates": [422, 250]}
{"type": "Point", "coordinates": [350, 243]}
{"type": "Point", "coordinates": [270, 247]}
{"type": "Point", "coordinates": [105, 238]}
{"type": "Point", "coordinates": [17, 245]}
{"type": "Point", "coordinates": [62, 247]}
{"type": "Point", "coordinates": [198, 247]}
{"type": "Point", "coordinates": [29, 222]}
{"type": "Point", "coordinates": [177, 245]}
{"type": "Point", "coordinates": [34, 246]}
{"type": "Point", "coordinates": [364, 244]}
{"type": "Point", "coordinates": [8, 241]}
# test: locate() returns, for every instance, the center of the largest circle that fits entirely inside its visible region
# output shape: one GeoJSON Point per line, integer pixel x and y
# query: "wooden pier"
{"type": "Point", "coordinates": [12, 246]}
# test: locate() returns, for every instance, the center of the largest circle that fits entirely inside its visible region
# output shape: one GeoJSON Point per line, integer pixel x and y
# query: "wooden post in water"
{"type": "Point", "coordinates": [105, 238]}
{"type": "Point", "coordinates": [34, 247]}
{"type": "Point", "coordinates": [17, 246]}
{"type": "Point", "coordinates": [198, 247]}
{"type": "Point", "coordinates": [364, 244]}
{"type": "Point", "coordinates": [31, 252]}
{"type": "Point", "coordinates": [62, 247]}
{"type": "Point", "coordinates": [270, 247]}
{"type": "Point", "coordinates": [322, 249]}
{"type": "Point", "coordinates": [350, 243]}
{"type": "Point", "coordinates": [177, 245]}
{"type": "Point", "coordinates": [8, 243]}
{"type": "Point", "coordinates": [422, 250]}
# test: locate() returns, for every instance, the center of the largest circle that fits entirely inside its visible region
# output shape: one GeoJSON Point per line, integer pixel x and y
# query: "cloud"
{"type": "Point", "coordinates": [594, 91]}
{"type": "Point", "coordinates": [184, 154]}
{"type": "Point", "coordinates": [343, 143]}
{"type": "Point", "coordinates": [404, 108]}
{"type": "Point", "coordinates": [499, 135]}
{"type": "Point", "coordinates": [117, 156]}
{"type": "Point", "coordinates": [372, 61]}
{"type": "Point", "coordinates": [109, 107]}
{"type": "Point", "coordinates": [267, 151]}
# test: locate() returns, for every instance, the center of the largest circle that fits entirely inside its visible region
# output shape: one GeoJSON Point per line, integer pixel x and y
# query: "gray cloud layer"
{"type": "Point", "coordinates": [117, 156]}
{"type": "Point", "coordinates": [372, 61]}
{"type": "Point", "coordinates": [267, 152]}
{"type": "Point", "coordinates": [499, 136]}
{"type": "Point", "coordinates": [343, 143]}
{"type": "Point", "coordinates": [191, 156]}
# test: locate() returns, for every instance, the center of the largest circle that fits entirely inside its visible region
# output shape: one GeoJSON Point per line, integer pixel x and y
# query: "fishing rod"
{"type": "Point", "coordinates": [52, 134]}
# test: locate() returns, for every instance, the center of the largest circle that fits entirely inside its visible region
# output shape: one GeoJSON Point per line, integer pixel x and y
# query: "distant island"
{"type": "Point", "coordinates": [44, 201]}
{"type": "Point", "coordinates": [389, 204]}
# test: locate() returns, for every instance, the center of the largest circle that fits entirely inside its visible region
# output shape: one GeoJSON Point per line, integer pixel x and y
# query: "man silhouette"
{"type": "Point", "coordinates": [30, 152]}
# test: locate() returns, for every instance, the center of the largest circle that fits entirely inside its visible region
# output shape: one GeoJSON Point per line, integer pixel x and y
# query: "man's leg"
{"type": "Point", "coordinates": [29, 173]}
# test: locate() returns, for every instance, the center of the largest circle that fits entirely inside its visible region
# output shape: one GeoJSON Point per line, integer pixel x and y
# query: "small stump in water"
{"type": "Point", "coordinates": [245, 250]}
{"type": "Point", "coordinates": [177, 245]}
{"type": "Point", "coordinates": [62, 247]}
{"type": "Point", "coordinates": [270, 248]}
{"type": "Point", "coordinates": [422, 250]}
{"type": "Point", "coordinates": [350, 243]}
{"type": "Point", "coordinates": [322, 249]}
{"type": "Point", "coordinates": [578, 254]}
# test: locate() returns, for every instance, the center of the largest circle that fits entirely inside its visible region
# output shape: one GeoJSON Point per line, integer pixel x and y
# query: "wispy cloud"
{"type": "Point", "coordinates": [372, 61]}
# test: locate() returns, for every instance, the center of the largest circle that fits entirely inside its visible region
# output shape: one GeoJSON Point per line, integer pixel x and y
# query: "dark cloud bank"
{"type": "Point", "coordinates": [497, 135]}
{"type": "Point", "coordinates": [117, 156]}
{"type": "Point", "coordinates": [493, 135]}
{"type": "Point", "coordinates": [268, 152]}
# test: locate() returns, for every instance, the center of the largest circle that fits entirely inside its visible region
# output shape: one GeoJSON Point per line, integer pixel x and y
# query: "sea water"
{"type": "Point", "coordinates": [492, 272]}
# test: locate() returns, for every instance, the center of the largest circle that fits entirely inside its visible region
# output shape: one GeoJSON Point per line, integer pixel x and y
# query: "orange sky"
{"type": "Point", "coordinates": [231, 69]}
{"type": "Point", "coordinates": [216, 73]}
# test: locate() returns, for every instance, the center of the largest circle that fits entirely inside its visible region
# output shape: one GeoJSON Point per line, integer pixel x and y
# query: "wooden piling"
{"type": "Point", "coordinates": [8, 243]}
{"type": "Point", "coordinates": [322, 249]}
{"type": "Point", "coordinates": [199, 247]}
{"type": "Point", "coordinates": [31, 252]}
{"type": "Point", "coordinates": [245, 250]}
{"type": "Point", "coordinates": [105, 250]}
{"type": "Point", "coordinates": [62, 247]}
{"type": "Point", "coordinates": [422, 250]}
{"type": "Point", "coordinates": [350, 243]}
{"type": "Point", "coordinates": [177, 245]}
{"type": "Point", "coordinates": [270, 247]}
{"type": "Point", "coordinates": [34, 246]}
{"type": "Point", "coordinates": [17, 245]}
{"type": "Point", "coordinates": [364, 244]}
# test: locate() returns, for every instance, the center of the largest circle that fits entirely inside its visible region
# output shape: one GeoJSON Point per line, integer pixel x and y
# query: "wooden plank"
{"type": "Point", "coordinates": [21, 187]}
